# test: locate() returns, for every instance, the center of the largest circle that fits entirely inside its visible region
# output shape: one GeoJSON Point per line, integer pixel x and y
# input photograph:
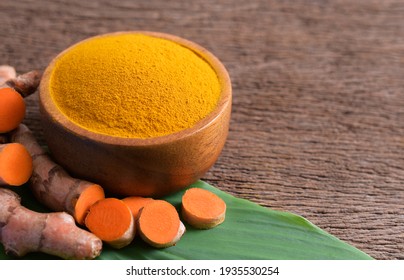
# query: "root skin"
{"type": "Point", "coordinates": [23, 231]}
{"type": "Point", "coordinates": [7, 72]}
{"type": "Point", "coordinates": [50, 183]}
{"type": "Point", "coordinates": [25, 84]}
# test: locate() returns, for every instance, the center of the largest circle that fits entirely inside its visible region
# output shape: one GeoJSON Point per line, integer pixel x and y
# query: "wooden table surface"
{"type": "Point", "coordinates": [318, 113]}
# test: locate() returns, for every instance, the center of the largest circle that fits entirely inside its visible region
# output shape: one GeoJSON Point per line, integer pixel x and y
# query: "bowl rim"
{"type": "Point", "coordinates": [48, 105]}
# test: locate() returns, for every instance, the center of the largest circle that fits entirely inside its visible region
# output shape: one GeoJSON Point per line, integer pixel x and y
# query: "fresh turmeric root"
{"type": "Point", "coordinates": [25, 84]}
{"type": "Point", "coordinates": [202, 209]}
{"type": "Point", "coordinates": [135, 203]}
{"type": "Point", "coordinates": [12, 109]}
{"type": "Point", "coordinates": [15, 164]}
{"type": "Point", "coordinates": [13, 89]}
{"type": "Point", "coordinates": [23, 231]}
{"type": "Point", "coordinates": [112, 221]}
{"type": "Point", "coordinates": [7, 72]}
{"type": "Point", "coordinates": [159, 224]}
{"type": "Point", "coordinates": [52, 185]}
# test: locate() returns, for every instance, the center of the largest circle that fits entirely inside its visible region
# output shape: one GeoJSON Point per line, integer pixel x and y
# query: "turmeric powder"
{"type": "Point", "coordinates": [134, 85]}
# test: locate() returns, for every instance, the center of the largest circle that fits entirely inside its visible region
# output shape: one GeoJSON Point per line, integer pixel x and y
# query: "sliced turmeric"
{"type": "Point", "coordinates": [112, 221]}
{"type": "Point", "coordinates": [135, 203]}
{"type": "Point", "coordinates": [84, 197]}
{"type": "Point", "coordinates": [52, 185]}
{"type": "Point", "coordinates": [23, 231]}
{"type": "Point", "coordinates": [202, 209]}
{"type": "Point", "coordinates": [159, 224]}
{"type": "Point", "coordinates": [12, 109]}
{"type": "Point", "coordinates": [15, 164]}
{"type": "Point", "coordinates": [13, 89]}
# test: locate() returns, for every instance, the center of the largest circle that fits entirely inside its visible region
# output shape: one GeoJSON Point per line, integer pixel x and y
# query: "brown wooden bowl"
{"type": "Point", "coordinates": [132, 166]}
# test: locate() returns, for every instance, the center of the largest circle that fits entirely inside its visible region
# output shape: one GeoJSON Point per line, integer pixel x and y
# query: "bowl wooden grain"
{"type": "Point", "coordinates": [132, 166]}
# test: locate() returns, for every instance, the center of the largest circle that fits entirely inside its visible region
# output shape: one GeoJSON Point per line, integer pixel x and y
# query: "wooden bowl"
{"type": "Point", "coordinates": [132, 166]}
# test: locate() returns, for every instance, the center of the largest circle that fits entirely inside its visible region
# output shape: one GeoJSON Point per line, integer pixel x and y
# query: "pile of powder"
{"type": "Point", "coordinates": [134, 85]}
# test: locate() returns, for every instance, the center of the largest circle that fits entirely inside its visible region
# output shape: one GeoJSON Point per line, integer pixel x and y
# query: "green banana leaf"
{"type": "Point", "coordinates": [249, 231]}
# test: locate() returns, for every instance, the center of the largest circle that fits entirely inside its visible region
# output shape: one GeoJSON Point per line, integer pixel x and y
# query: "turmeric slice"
{"type": "Point", "coordinates": [52, 185]}
{"type": "Point", "coordinates": [202, 209]}
{"type": "Point", "coordinates": [159, 224]}
{"type": "Point", "coordinates": [12, 109]}
{"type": "Point", "coordinates": [23, 231]}
{"type": "Point", "coordinates": [112, 221]}
{"type": "Point", "coordinates": [84, 197]}
{"type": "Point", "coordinates": [15, 164]}
{"type": "Point", "coordinates": [135, 203]}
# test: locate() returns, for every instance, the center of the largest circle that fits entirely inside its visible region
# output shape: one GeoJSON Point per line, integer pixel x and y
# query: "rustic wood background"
{"type": "Point", "coordinates": [318, 115]}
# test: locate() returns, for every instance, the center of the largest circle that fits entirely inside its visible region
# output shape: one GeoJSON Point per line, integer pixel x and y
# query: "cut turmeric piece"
{"type": "Point", "coordinates": [202, 209]}
{"type": "Point", "coordinates": [135, 203]}
{"type": "Point", "coordinates": [159, 224]}
{"type": "Point", "coordinates": [15, 164]}
{"type": "Point", "coordinates": [85, 198]}
{"type": "Point", "coordinates": [111, 220]}
{"type": "Point", "coordinates": [12, 109]}
{"type": "Point", "coordinates": [52, 185]}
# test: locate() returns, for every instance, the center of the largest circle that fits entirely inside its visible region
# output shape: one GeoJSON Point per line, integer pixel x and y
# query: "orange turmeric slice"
{"type": "Point", "coordinates": [12, 109]}
{"type": "Point", "coordinates": [135, 203]}
{"type": "Point", "coordinates": [202, 209]}
{"type": "Point", "coordinates": [111, 221]}
{"type": "Point", "coordinates": [90, 194]}
{"type": "Point", "coordinates": [159, 224]}
{"type": "Point", "coordinates": [15, 164]}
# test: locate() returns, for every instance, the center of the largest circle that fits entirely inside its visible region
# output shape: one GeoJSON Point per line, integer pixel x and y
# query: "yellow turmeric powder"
{"type": "Point", "coordinates": [134, 85]}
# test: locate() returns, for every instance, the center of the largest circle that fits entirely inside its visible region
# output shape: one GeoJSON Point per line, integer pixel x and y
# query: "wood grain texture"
{"type": "Point", "coordinates": [318, 97]}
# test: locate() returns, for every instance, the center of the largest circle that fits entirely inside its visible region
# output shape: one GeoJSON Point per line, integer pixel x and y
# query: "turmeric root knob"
{"type": "Point", "coordinates": [112, 221]}
{"type": "Point", "coordinates": [15, 164]}
{"type": "Point", "coordinates": [7, 72]}
{"type": "Point", "coordinates": [23, 231]}
{"type": "Point", "coordinates": [52, 185]}
{"type": "Point", "coordinates": [202, 209]}
{"type": "Point", "coordinates": [25, 84]}
{"type": "Point", "coordinates": [159, 224]}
